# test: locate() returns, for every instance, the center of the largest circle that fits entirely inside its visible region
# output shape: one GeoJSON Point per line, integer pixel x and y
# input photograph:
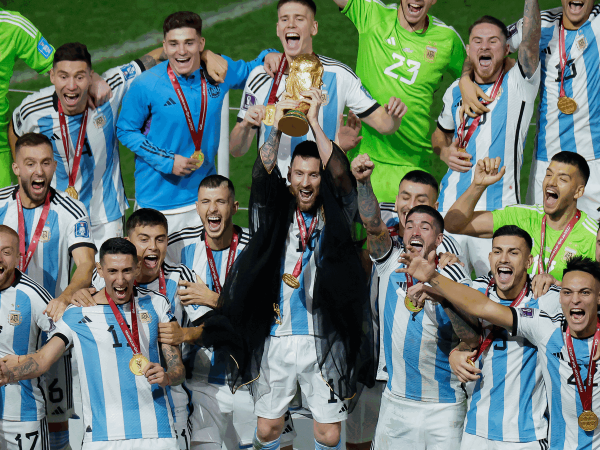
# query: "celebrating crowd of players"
{"type": "Point", "coordinates": [193, 332]}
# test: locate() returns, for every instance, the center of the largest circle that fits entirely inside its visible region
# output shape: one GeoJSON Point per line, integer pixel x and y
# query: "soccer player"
{"type": "Point", "coordinates": [296, 27]}
{"type": "Point", "coordinates": [22, 320]}
{"type": "Point", "coordinates": [55, 232]}
{"type": "Point", "coordinates": [83, 139]}
{"type": "Point", "coordinates": [568, 43]}
{"type": "Point", "coordinates": [501, 132]}
{"type": "Point", "coordinates": [21, 39]}
{"type": "Point", "coordinates": [567, 343]}
{"type": "Point", "coordinates": [403, 52]}
{"type": "Point", "coordinates": [558, 229]}
{"type": "Point", "coordinates": [118, 356]}
{"type": "Point", "coordinates": [507, 401]}
{"type": "Point", "coordinates": [164, 118]}
{"type": "Point", "coordinates": [423, 405]}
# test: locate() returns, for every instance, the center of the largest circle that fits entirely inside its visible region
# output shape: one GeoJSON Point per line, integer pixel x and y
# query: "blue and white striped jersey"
{"type": "Point", "coordinates": [188, 247]}
{"type": "Point", "coordinates": [502, 132]}
{"type": "Point", "coordinates": [173, 273]}
{"type": "Point", "coordinates": [99, 182]}
{"type": "Point", "coordinates": [556, 131]}
{"type": "Point", "coordinates": [22, 322]}
{"type": "Point", "coordinates": [508, 402]}
{"type": "Point", "coordinates": [390, 217]}
{"type": "Point", "coordinates": [341, 88]}
{"type": "Point", "coordinates": [416, 346]}
{"type": "Point", "coordinates": [117, 404]}
{"type": "Point", "coordinates": [67, 228]}
{"type": "Point", "coordinates": [547, 332]}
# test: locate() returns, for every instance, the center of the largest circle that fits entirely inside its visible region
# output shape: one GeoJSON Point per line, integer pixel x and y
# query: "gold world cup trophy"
{"type": "Point", "coordinates": [306, 72]}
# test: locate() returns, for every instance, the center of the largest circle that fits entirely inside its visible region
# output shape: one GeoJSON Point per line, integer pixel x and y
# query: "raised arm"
{"type": "Point", "coordinates": [244, 132]}
{"type": "Point", "coordinates": [269, 150]}
{"type": "Point", "coordinates": [529, 50]}
{"type": "Point", "coordinates": [378, 236]}
{"type": "Point", "coordinates": [462, 217]}
{"type": "Point", "coordinates": [33, 365]}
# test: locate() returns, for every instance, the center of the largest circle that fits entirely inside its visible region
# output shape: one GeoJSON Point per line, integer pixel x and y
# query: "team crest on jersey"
{"type": "Point", "coordinates": [145, 316]}
{"type": "Point", "coordinates": [14, 318]}
{"type": "Point", "coordinates": [46, 234]}
{"type": "Point", "coordinates": [512, 30]}
{"type": "Point", "coordinates": [325, 98]}
{"type": "Point", "coordinates": [430, 53]}
{"type": "Point", "coordinates": [82, 229]}
{"type": "Point", "coordinates": [44, 48]}
{"type": "Point", "coordinates": [128, 71]}
{"type": "Point", "coordinates": [213, 91]}
{"type": "Point", "coordinates": [367, 93]}
{"type": "Point", "coordinates": [249, 100]}
{"type": "Point", "coordinates": [569, 253]}
{"type": "Point", "coordinates": [581, 43]}
{"type": "Point", "coordinates": [526, 312]}
{"type": "Point", "coordinates": [100, 121]}
{"type": "Point", "coordinates": [499, 94]}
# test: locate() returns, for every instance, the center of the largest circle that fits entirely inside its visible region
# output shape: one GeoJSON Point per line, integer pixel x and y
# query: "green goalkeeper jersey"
{"type": "Point", "coordinates": [19, 39]}
{"type": "Point", "coordinates": [394, 62]}
{"type": "Point", "coordinates": [580, 242]}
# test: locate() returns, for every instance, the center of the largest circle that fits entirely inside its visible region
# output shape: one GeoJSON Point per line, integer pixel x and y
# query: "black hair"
{"type": "Point", "coordinates": [583, 264]}
{"type": "Point", "coordinates": [118, 246]}
{"type": "Point", "coordinates": [306, 149]}
{"type": "Point", "coordinates": [311, 5]}
{"type": "Point", "coordinates": [215, 181]}
{"type": "Point", "coordinates": [32, 140]}
{"type": "Point", "coordinates": [493, 21]}
{"type": "Point", "coordinates": [422, 177]}
{"type": "Point", "coordinates": [183, 19]}
{"type": "Point", "coordinates": [146, 217]}
{"type": "Point", "coordinates": [72, 51]}
{"type": "Point", "coordinates": [438, 220]}
{"type": "Point", "coordinates": [513, 230]}
{"type": "Point", "coordinates": [576, 160]}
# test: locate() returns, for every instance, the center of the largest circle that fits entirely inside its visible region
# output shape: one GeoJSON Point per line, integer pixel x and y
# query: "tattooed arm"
{"type": "Point", "coordinates": [175, 369]}
{"type": "Point", "coordinates": [269, 150]}
{"type": "Point", "coordinates": [529, 50]}
{"type": "Point", "coordinates": [16, 368]}
{"type": "Point", "coordinates": [153, 58]}
{"type": "Point", "coordinates": [378, 236]}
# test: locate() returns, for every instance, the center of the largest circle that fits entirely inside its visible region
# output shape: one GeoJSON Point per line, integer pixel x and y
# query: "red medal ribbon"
{"type": "Point", "coordinates": [26, 255]}
{"type": "Point", "coordinates": [211, 261]}
{"type": "Point", "coordinates": [132, 336]}
{"type": "Point", "coordinates": [562, 54]}
{"type": "Point", "coordinates": [64, 131]}
{"type": "Point", "coordinates": [196, 135]}
{"type": "Point", "coordinates": [280, 70]}
{"type": "Point", "coordinates": [464, 140]}
{"type": "Point", "coordinates": [162, 284]}
{"type": "Point", "coordinates": [485, 343]}
{"type": "Point", "coordinates": [561, 240]}
{"type": "Point", "coordinates": [585, 393]}
{"type": "Point", "coordinates": [304, 237]}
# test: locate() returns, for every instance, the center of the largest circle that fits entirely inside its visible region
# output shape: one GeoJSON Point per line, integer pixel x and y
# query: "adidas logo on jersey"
{"type": "Point", "coordinates": [391, 40]}
{"type": "Point", "coordinates": [287, 429]}
{"type": "Point", "coordinates": [58, 411]}
{"type": "Point", "coordinates": [88, 429]}
{"type": "Point", "coordinates": [344, 408]}
{"type": "Point", "coordinates": [55, 137]}
{"type": "Point", "coordinates": [170, 102]}
{"type": "Point", "coordinates": [85, 319]}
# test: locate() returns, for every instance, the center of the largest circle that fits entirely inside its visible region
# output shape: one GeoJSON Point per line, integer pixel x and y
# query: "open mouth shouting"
{"type": "Point", "coordinates": [504, 274]}
{"type": "Point", "coordinates": [38, 186]}
{"type": "Point", "coordinates": [415, 8]}
{"type": "Point", "coordinates": [120, 292]}
{"type": "Point", "coordinates": [71, 99]}
{"type": "Point", "coordinates": [305, 195]}
{"type": "Point", "coordinates": [577, 315]}
{"type": "Point", "coordinates": [576, 6]}
{"type": "Point", "coordinates": [151, 261]}
{"type": "Point", "coordinates": [292, 40]}
{"type": "Point", "coordinates": [417, 243]}
{"type": "Point", "coordinates": [551, 197]}
{"type": "Point", "coordinates": [485, 61]}
{"type": "Point", "coordinates": [2, 270]}
{"type": "Point", "coordinates": [213, 223]}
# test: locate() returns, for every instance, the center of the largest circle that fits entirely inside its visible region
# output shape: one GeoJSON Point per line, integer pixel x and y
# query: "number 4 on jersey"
{"type": "Point", "coordinates": [413, 68]}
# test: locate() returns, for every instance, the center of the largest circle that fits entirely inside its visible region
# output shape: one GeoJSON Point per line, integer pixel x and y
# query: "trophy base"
{"type": "Point", "coordinates": [294, 123]}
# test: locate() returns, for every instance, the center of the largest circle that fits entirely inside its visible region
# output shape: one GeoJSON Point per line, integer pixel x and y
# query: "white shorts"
{"type": "Point", "coordinates": [415, 425]}
{"type": "Point", "coordinates": [220, 416]}
{"type": "Point", "coordinates": [183, 427]}
{"type": "Point", "coordinates": [589, 202]}
{"type": "Point", "coordinates": [133, 444]}
{"type": "Point", "coordinates": [104, 231]}
{"type": "Point", "coordinates": [288, 361]}
{"type": "Point", "coordinates": [476, 253]}
{"type": "Point", "coordinates": [471, 441]}
{"type": "Point", "coordinates": [24, 435]}
{"type": "Point", "coordinates": [361, 423]}
{"type": "Point", "coordinates": [59, 390]}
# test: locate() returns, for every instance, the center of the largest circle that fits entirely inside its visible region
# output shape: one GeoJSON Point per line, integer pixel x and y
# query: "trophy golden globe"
{"type": "Point", "coordinates": [306, 72]}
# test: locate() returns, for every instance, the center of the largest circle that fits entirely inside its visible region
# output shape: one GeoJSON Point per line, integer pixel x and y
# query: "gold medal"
{"type": "Point", "coordinates": [567, 105]}
{"type": "Point", "coordinates": [137, 364]}
{"type": "Point", "coordinates": [291, 281]}
{"type": "Point", "coordinates": [470, 361]}
{"type": "Point", "coordinates": [199, 156]}
{"type": "Point", "coordinates": [588, 421]}
{"type": "Point", "coordinates": [269, 119]}
{"type": "Point", "coordinates": [72, 192]}
{"type": "Point", "coordinates": [462, 150]}
{"type": "Point", "coordinates": [409, 305]}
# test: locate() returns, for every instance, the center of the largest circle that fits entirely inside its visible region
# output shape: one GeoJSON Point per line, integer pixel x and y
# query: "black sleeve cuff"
{"type": "Point", "coordinates": [515, 321]}
{"type": "Point", "coordinates": [385, 257]}
{"type": "Point", "coordinates": [521, 69]}
{"type": "Point", "coordinates": [82, 244]}
{"type": "Point", "coordinates": [140, 64]}
{"type": "Point", "coordinates": [63, 337]}
{"type": "Point", "coordinates": [369, 111]}
{"type": "Point", "coordinates": [443, 129]}
{"type": "Point", "coordinates": [13, 127]}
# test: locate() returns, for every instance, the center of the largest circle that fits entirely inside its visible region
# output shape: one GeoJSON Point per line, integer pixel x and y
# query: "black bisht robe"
{"type": "Point", "coordinates": [341, 313]}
